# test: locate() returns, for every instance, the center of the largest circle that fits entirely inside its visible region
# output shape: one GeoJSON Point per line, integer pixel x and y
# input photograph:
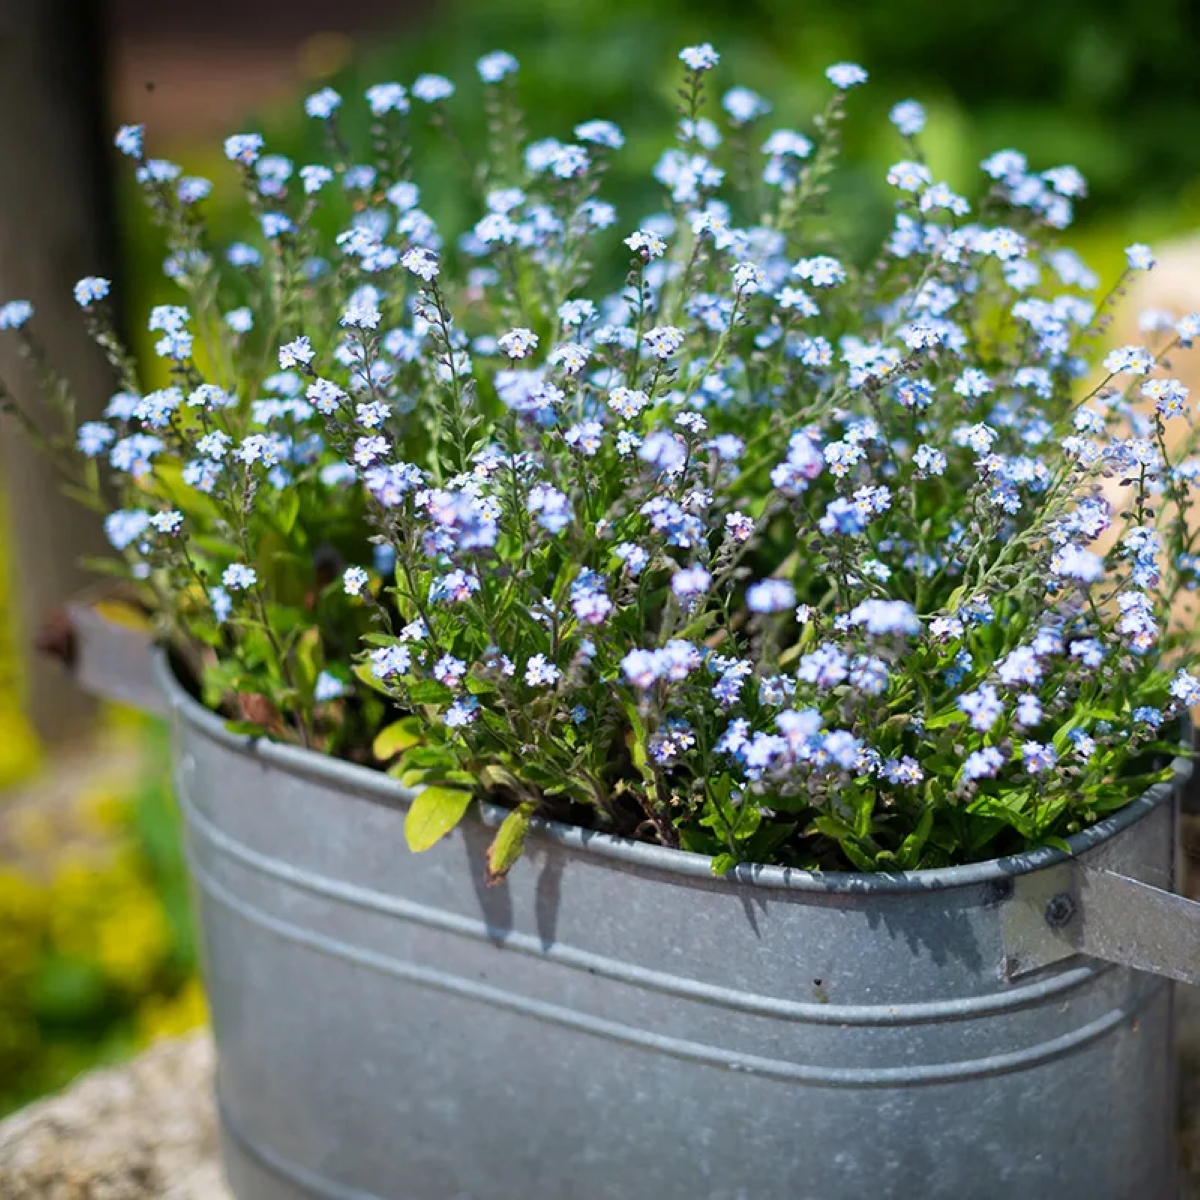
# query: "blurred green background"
{"type": "Point", "coordinates": [96, 950]}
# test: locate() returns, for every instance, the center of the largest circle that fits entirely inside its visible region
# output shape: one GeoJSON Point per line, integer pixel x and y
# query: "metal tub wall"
{"type": "Point", "coordinates": [612, 1022]}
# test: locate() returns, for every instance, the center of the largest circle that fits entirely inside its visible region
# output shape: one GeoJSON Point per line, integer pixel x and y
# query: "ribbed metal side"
{"type": "Point", "coordinates": [614, 1023]}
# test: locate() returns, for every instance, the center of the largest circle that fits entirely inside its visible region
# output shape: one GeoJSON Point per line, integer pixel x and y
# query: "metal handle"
{"type": "Point", "coordinates": [114, 660]}
{"type": "Point", "coordinates": [1080, 909]}
{"type": "Point", "coordinates": [1189, 796]}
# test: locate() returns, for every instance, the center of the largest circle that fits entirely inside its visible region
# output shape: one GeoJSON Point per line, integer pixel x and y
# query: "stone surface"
{"type": "Point", "coordinates": [142, 1131]}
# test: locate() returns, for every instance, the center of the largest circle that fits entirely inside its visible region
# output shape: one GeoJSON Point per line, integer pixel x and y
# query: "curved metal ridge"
{"type": "Point", "coordinates": [275, 1164]}
{"type": "Point", "coordinates": [791, 1010]}
{"type": "Point", "coordinates": [370, 784]}
{"type": "Point", "coordinates": [681, 1048]}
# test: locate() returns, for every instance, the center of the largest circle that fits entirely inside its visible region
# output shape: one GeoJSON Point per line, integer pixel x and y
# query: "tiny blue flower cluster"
{"type": "Point", "coordinates": [768, 553]}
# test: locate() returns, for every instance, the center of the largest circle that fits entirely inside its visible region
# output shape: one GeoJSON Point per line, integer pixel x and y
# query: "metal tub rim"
{"type": "Point", "coordinates": [375, 785]}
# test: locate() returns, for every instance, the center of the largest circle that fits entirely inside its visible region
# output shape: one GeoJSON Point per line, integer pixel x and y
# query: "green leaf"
{"type": "Point", "coordinates": [429, 691]}
{"type": "Point", "coordinates": [434, 813]}
{"type": "Point", "coordinates": [980, 832]}
{"type": "Point", "coordinates": [636, 740]}
{"type": "Point", "coordinates": [699, 842]}
{"type": "Point", "coordinates": [496, 776]}
{"type": "Point", "coordinates": [863, 806]}
{"type": "Point", "coordinates": [833, 827]}
{"type": "Point", "coordinates": [396, 738]}
{"type": "Point", "coordinates": [289, 510]}
{"type": "Point", "coordinates": [378, 639]}
{"type": "Point", "coordinates": [427, 757]}
{"type": "Point", "coordinates": [722, 864]}
{"type": "Point", "coordinates": [950, 716]}
{"type": "Point", "coordinates": [216, 547]}
{"type": "Point", "coordinates": [762, 846]}
{"type": "Point", "coordinates": [410, 777]}
{"type": "Point", "coordinates": [909, 854]}
{"type": "Point", "coordinates": [106, 566]}
{"type": "Point", "coordinates": [168, 476]}
{"type": "Point", "coordinates": [509, 842]}
{"type": "Point", "coordinates": [68, 990]}
{"type": "Point", "coordinates": [285, 618]}
{"type": "Point", "coordinates": [309, 657]}
{"type": "Point", "coordinates": [245, 728]}
{"type": "Point", "coordinates": [857, 857]}
{"type": "Point", "coordinates": [549, 779]}
{"type": "Point", "coordinates": [467, 779]}
{"type": "Point", "coordinates": [364, 674]}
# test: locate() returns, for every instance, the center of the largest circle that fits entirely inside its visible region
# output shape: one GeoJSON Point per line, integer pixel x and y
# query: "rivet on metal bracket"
{"type": "Point", "coordinates": [1060, 910]}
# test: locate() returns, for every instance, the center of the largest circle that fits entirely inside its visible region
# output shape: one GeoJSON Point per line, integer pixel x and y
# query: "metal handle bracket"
{"type": "Point", "coordinates": [114, 661]}
{"type": "Point", "coordinates": [1080, 909]}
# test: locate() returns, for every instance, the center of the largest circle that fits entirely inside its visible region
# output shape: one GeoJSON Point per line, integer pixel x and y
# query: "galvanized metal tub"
{"type": "Point", "coordinates": [613, 1022]}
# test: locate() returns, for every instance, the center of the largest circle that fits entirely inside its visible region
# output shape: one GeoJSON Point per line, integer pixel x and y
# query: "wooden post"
{"type": "Point", "coordinates": [55, 227]}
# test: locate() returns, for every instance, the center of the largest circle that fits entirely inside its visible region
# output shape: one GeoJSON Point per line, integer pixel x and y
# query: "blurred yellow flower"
{"type": "Point", "coordinates": [174, 1015]}
{"type": "Point", "coordinates": [133, 941]}
{"type": "Point", "coordinates": [33, 831]}
{"type": "Point", "coordinates": [102, 811]}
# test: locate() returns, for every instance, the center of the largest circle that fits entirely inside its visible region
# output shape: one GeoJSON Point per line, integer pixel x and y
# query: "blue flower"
{"type": "Point", "coordinates": [600, 133]}
{"type": "Point", "coordinates": [551, 507]}
{"type": "Point", "coordinates": [1139, 257]}
{"type": "Point", "coordinates": [882, 618]}
{"type": "Point", "coordinates": [429, 89]}
{"type": "Point", "coordinates": [825, 667]}
{"type": "Point", "coordinates": [222, 604]}
{"type": "Point", "coordinates": [665, 451]}
{"type": "Point", "coordinates": [93, 438]}
{"type": "Point", "coordinates": [982, 764]}
{"type": "Point", "coordinates": [238, 577]}
{"type": "Point", "coordinates": [908, 117]}
{"type": "Point", "coordinates": [388, 662]}
{"type": "Point", "coordinates": [129, 140]}
{"type": "Point", "coordinates": [1186, 689]}
{"type": "Point", "coordinates": [846, 75]}
{"type": "Point", "coordinates": [354, 579]}
{"type": "Point", "coordinates": [384, 98]}
{"type": "Point", "coordinates": [328, 687]}
{"type": "Point", "coordinates": [244, 148]}
{"type": "Point", "coordinates": [464, 711]}
{"type": "Point", "coordinates": [869, 675]}
{"type": "Point", "coordinates": [699, 58]}
{"type": "Point", "coordinates": [125, 526]}
{"type": "Point", "coordinates": [1038, 758]}
{"type": "Point", "coordinates": [690, 582]}
{"type": "Point", "coordinates": [821, 271]}
{"type": "Point", "coordinates": [323, 104]}
{"type": "Point", "coordinates": [983, 707]}
{"type": "Point", "coordinates": [770, 596]}
{"type": "Point", "coordinates": [298, 353]}
{"type": "Point", "coordinates": [839, 748]}
{"type": "Point", "coordinates": [496, 66]}
{"type": "Point", "coordinates": [91, 290]}
{"type": "Point", "coordinates": [744, 106]}
{"type": "Point", "coordinates": [15, 313]}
